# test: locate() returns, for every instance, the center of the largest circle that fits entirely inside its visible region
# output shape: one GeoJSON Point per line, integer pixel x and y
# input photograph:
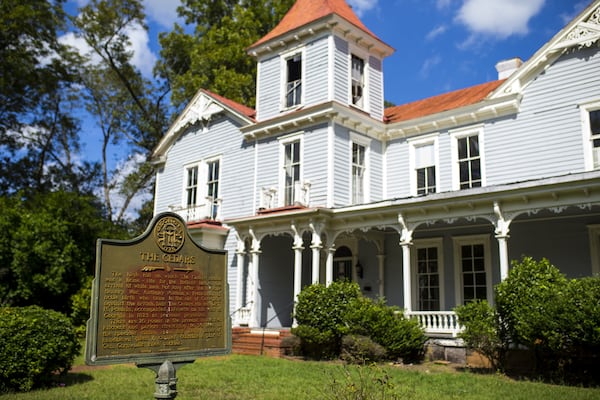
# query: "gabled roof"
{"type": "Point", "coordinates": [304, 12]}
{"type": "Point", "coordinates": [201, 109]}
{"type": "Point", "coordinates": [443, 102]}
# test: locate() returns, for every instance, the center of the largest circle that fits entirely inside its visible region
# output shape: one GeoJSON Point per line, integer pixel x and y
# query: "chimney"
{"type": "Point", "coordinates": [505, 68]}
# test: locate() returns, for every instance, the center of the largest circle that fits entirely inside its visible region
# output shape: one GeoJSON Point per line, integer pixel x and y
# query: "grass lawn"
{"type": "Point", "coordinates": [251, 377]}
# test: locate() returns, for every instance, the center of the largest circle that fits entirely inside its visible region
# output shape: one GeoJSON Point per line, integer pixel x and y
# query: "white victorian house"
{"type": "Point", "coordinates": [425, 204]}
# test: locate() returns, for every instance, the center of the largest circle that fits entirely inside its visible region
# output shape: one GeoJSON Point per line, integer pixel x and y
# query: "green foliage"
{"type": "Point", "coordinates": [365, 382]}
{"type": "Point", "coordinates": [48, 248]}
{"type": "Point", "coordinates": [480, 332]}
{"type": "Point", "coordinates": [321, 316]}
{"type": "Point", "coordinates": [538, 308]}
{"type": "Point", "coordinates": [80, 307]}
{"type": "Point", "coordinates": [326, 314]}
{"type": "Point", "coordinates": [36, 343]}
{"type": "Point", "coordinates": [214, 56]}
{"type": "Point", "coordinates": [357, 349]}
{"type": "Point", "coordinates": [402, 338]}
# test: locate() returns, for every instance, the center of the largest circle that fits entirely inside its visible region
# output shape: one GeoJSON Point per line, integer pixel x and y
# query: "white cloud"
{"type": "Point", "coordinates": [162, 12]}
{"type": "Point", "coordinates": [143, 58]}
{"type": "Point", "coordinates": [441, 4]}
{"type": "Point", "coordinates": [436, 32]}
{"type": "Point", "coordinates": [361, 6]}
{"type": "Point", "coordinates": [429, 64]}
{"type": "Point", "coordinates": [499, 19]}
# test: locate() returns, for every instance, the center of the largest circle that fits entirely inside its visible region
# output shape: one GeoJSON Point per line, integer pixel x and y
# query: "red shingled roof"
{"type": "Point", "coordinates": [443, 102]}
{"type": "Point", "coordinates": [240, 108]}
{"type": "Point", "coordinates": [304, 12]}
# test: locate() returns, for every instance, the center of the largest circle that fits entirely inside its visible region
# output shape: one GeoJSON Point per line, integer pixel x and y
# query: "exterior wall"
{"type": "Point", "coordinates": [376, 87]}
{"type": "Point", "coordinates": [340, 70]}
{"type": "Point", "coordinates": [545, 138]}
{"type": "Point", "coordinates": [268, 101]}
{"type": "Point", "coordinates": [316, 88]}
{"type": "Point", "coordinates": [221, 139]}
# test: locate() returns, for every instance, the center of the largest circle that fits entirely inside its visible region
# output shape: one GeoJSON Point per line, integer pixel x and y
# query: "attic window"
{"type": "Point", "coordinates": [595, 136]}
{"type": "Point", "coordinates": [293, 90]}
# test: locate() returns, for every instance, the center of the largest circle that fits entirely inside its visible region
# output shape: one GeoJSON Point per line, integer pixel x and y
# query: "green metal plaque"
{"type": "Point", "coordinates": [159, 296]}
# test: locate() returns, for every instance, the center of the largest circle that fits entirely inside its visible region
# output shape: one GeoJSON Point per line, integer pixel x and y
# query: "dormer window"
{"type": "Point", "coordinates": [358, 80]}
{"type": "Point", "coordinates": [293, 84]}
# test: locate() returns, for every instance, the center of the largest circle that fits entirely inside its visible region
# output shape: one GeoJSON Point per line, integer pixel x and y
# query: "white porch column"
{"type": "Point", "coordinates": [502, 228]}
{"type": "Point", "coordinates": [381, 276]}
{"type": "Point", "coordinates": [406, 242]}
{"type": "Point", "coordinates": [329, 266]}
{"type": "Point", "coordinates": [503, 253]}
{"type": "Point", "coordinates": [316, 252]}
{"type": "Point", "coordinates": [253, 272]}
{"type": "Point", "coordinates": [297, 247]}
{"type": "Point", "coordinates": [241, 256]}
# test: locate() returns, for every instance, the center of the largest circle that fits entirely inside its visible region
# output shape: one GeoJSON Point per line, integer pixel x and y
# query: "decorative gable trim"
{"type": "Point", "coordinates": [582, 31]}
{"type": "Point", "coordinates": [200, 111]}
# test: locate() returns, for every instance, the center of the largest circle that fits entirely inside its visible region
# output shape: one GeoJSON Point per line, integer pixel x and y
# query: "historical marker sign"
{"type": "Point", "coordinates": [159, 296]}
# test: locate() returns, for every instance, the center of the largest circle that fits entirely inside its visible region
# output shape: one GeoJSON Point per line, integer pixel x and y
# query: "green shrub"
{"type": "Point", "coordinates": [357, 349]}
{"type": "Point", "coordinates": [402, 338]}
{"type": "Point", "coordinates": [80, 307]}
{"type": "Point", "coordinates": [480, 331]}
{"type": "Point", "coordinates": [321, 316]}
{"type": "Point", "coordinates": [36, 343]}
{"type": "Point", "coordinates": [326, 314]}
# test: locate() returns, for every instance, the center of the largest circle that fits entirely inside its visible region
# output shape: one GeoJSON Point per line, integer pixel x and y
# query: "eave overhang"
{"type": "Point", "coordinates": [472, 114]}
{"type": "Point", "coordinates": [330, 23]}
{"type": "Point", "coordinates": [325, 112]}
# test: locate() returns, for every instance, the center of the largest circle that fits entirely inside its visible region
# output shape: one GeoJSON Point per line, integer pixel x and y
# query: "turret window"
{"type": "Point", "coordinates": [293, 89]}
{"type": "Point", "coordinates": [358, 80]}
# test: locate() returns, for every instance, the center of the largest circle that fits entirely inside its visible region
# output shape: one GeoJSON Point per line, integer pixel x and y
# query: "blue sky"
{"type": "Point", "coordinates": [441, 45]}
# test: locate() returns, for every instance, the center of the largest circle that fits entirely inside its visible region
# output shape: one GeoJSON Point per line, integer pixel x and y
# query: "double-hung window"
{"type": "Point", "coordinates": [423, 161]}
{"type": "Point", "coordinates": [358, 173]}
{"type": "Point", "coordinates": [473, 271]}
{"type": "Point", "coordinates": [428, 265]}
{"type": "Point", "coordinates": [293, 81]}
{"type": "Point", "coordinates": [360, 168]}
{"type": "Point", "coordinates": [357, 73]}
{"type": "Point", "coordinates": [191, 187]}
{"type": "Point", "coordinates": [212, 183]}
{"type": "Point", "coordinates": [468, 159]}
{"type": "Point", "coordinates": [590, 114]}
{"type": "Point", "coordinates": [201, 190]}
{"type": "Point", "coordinates": [291, 171]}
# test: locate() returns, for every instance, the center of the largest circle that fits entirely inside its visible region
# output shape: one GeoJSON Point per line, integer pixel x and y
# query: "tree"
{"type": "Point", "coordinates": [130, 110]}
{"type": "Point", "coordinates": [38, 134]}
{"type": "Point", "coordinates": [214, 56]}
{"type": "Point", "coordinates": [47, 247]}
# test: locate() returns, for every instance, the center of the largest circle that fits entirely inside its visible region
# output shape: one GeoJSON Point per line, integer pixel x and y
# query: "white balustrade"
{"type": "Point", "coordinates": [437, 322]}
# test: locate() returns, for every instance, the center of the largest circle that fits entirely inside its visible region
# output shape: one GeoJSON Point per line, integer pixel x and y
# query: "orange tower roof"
{"type": "Point", "coordinates": [304, 12]}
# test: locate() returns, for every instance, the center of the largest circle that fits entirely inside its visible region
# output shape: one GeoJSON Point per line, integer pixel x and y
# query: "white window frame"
{"type": "Point", "coordinates": [594, 237]}
{"type": "Point", "coordinates": [216, 200]}
{"type": "Point", "coordinates": [428, 243]}
{"type": "Point", "coordinates": [284, 57]}
{"type": "Point", "coordinates": [362, 54]}
{"type": "Point", "coordinates": [588, 147]}
{"type": "Point", "coordinates": [355, 138]}
{"type": "Point", "coordinates": [458, 242]}
{"type": "Point", "coordinates": [283, 141]}
{"type": "Point", "coordinates": [457, 134]}
{"type": "Point", "coordinates": [202, 183]}
{"type": "Point", "coordinates": [412, 160]}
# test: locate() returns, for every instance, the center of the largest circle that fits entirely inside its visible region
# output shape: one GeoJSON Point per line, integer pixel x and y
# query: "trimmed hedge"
{"type": "Point", "coordinates": [36, 344]}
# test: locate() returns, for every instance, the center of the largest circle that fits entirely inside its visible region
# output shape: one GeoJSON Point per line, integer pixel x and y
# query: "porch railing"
{"type": "Point", "coordinates": [243, 316]}
{"type": "Point", "coordinates": [210, 209]}
{"type": "Point", "coordinates": [437, 323]}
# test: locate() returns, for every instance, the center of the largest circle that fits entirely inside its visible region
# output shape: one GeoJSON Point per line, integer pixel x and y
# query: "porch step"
{"type": "Point", "coordinates": [258, 341]}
